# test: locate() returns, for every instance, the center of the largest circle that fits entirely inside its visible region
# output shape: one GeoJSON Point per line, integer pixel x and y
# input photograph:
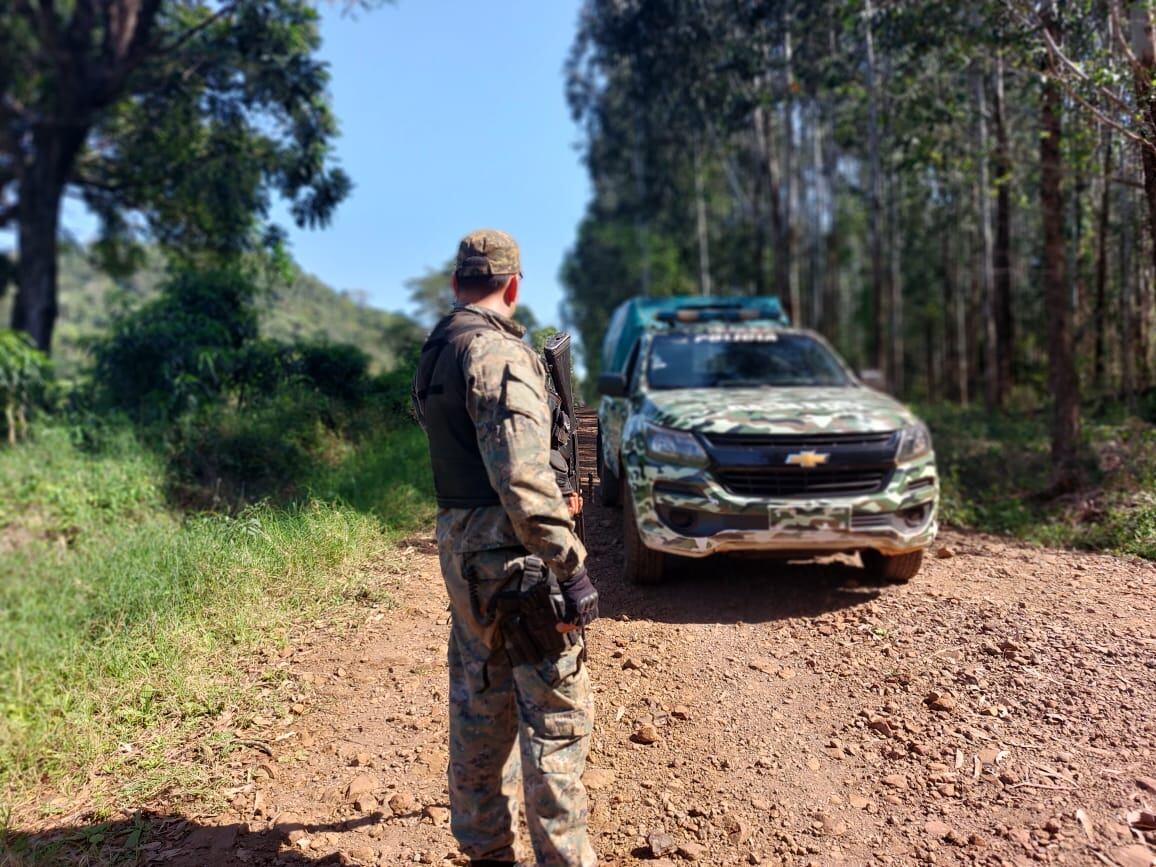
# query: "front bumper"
{"type": "Point", "coordinates": [686, 511]}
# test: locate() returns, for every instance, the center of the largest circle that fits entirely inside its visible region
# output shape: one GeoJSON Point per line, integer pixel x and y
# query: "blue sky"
{"type": "Point", "coordinates": [451, 120]}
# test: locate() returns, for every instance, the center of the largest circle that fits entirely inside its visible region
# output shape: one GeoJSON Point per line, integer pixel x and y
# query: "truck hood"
{"type": "Point", "coordinates": [776, 410]}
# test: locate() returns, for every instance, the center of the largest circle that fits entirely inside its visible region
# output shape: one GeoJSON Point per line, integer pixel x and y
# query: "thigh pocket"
{"type": "Point", "coordinates": [558, 712]}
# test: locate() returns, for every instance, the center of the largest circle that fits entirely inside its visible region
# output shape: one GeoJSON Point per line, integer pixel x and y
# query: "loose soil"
{"type": "Point", "coordinates": [999, 709]}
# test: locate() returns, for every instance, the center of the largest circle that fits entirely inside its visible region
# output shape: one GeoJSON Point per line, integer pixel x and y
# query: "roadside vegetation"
{"type": "Point", "coordinates": [995, 471]}
{"type": "Point", "coordinates": [221, 443]}
{"type": "Point", "coordinates": [200, 490]}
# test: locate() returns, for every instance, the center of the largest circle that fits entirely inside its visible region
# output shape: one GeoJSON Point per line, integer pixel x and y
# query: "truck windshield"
{"type": "Point", "coordinates": [742, 359]}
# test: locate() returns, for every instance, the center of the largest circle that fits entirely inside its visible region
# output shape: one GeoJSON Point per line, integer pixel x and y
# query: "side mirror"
{"type": "Point", "coordinates": [873, 379]}
{"type": "Point", "coordinates": [612, 384]}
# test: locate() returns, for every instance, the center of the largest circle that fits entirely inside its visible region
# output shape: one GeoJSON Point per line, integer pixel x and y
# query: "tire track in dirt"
{"type": "Point", "coordinates": [997, 710]}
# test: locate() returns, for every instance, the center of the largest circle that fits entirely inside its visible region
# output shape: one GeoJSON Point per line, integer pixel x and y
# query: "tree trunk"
{"type": "Point", "coordinates": [760, 242]}
{"type": "Point", "coordinates": [790, 242]}
{"type": "Point", "coordinates": [641, 226]}
{"type": "Point", "coordinates": [1144, 49]}
{"type": "Point", "coordinates": [1127, 243]}
{"type": "Point", "coordinates": [897, 354]}
{"type": "Point", "coordinates": [1001, 300]}
{"type": "Point", "coordinates": [987, 249]}
{"type": "Point", "coordinates": [765, 143]}
{"type": "Point", "coordinates": [814, 199]}
{"type": "Point", "coordinates": [758, 219]}
{"type": "Point", "coordinates": [954, 318]}
{"type": "Point", "coordinates": [875, 199]}
{"type": "Point", "coordinates": [704, 281]}
{"type": "Point", "coordinates": [932, 356]}
{"type": "Point", "coordinates": [34, 308]}
{"type": "Point", "coordinates": [974, 320]}
{"type": "Point", "coordinates": [1143, 321]}
{"type": "Point", "coordinates": [41, 190]}
{"type": "Point", "coordinates": [834, 310]}
{"type": "Point", "coordinates": [831, 325]}
{"type": "Point", "coordinates": [1061, 368]}
{"type": "Point", "coordinates": [1100, 315]}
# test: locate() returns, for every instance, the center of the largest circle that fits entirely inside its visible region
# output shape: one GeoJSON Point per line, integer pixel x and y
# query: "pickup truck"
{"type": "Point", "coordinates": [722, 428]}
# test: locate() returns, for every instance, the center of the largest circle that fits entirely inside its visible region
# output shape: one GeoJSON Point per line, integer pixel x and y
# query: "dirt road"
{"type": "Point", "coordinates": [1000, 709]}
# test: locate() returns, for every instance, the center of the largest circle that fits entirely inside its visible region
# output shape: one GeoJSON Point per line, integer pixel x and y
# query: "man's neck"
{"type": "Point", "coordinates": [494, 304]}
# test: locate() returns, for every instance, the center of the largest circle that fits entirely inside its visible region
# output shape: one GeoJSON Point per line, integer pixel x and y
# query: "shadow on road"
{"type": "Point", "coordinates": [175, 841]}
{"type": "Point", "coordinates": [730, 589]}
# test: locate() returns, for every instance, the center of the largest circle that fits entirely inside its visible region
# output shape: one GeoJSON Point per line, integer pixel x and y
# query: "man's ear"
{"type": "Point", "coordinates": [510, 295]}
{"type": "Point", "coordinates": [454, 282]}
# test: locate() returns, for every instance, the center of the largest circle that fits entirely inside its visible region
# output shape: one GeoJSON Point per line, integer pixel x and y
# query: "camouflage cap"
{"type": "Point", "coordinates": [487, 253]}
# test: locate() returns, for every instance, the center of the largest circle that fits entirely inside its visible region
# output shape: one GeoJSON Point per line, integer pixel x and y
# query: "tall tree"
{"type": "Point", "coordinates": [189, 114]}
{"type": "Point", "coordinates": [1062, 369]}
{"type": "Point", "coordinates": [875, 226]}
{"type": "Point", "coordinates": [1143, 61]}
{"type": "Point", "coordinates": [987, 242]}
{"type": "Point", "coordinates": [1002, 288]}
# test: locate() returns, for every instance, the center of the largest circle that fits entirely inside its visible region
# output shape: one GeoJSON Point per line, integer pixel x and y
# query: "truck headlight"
{"type": "Point", "coordinates": [672, 445]}
{"type": "Point", "coordinates": [914, 442]}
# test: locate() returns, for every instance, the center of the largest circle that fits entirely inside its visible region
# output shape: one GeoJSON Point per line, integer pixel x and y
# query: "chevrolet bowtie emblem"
{"type": "Point", "coordinates": [807, 460]}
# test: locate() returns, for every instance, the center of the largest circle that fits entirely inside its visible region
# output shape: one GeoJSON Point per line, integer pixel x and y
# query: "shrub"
{"type": "Point", "coordinates": [180, 350]}
{"type": "Point", "coordinates": [995, 478]}
{"type": "Point", "coordinates": [240, 418]}
{"type": "Point", "coordinates": [259, 369]}
{"type": "Point", "coordinates": [336, 370]}
{"type": "Point", "coordinates": [24, 378]}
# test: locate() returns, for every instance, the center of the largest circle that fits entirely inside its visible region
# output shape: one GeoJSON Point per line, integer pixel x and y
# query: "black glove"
{"type": "Point", "coordinates": [580, 598]}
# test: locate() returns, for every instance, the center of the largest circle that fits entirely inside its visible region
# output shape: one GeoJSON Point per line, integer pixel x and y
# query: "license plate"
{"type": "Point", "coordinates": [809, 518]}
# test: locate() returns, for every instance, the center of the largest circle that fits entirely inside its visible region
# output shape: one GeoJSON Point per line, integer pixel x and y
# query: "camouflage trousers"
{"type": "Point", "coordinates": [511, 727]}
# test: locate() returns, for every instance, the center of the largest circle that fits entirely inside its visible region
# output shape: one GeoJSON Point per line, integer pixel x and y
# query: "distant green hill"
{"type": "Point", "coordinates": [303, 309]}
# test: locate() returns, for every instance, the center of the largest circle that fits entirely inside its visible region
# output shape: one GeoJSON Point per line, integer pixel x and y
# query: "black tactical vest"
{"type": "Point", "coordinates": [439, 393]}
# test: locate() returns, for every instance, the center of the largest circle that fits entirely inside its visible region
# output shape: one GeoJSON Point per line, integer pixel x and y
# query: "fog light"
{"type": "Point", "coordinates": [681, 519]}
{"type": "Point", "coordinates": [916, 515]}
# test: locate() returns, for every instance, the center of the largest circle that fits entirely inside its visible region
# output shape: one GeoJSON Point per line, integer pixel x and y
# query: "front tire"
{"type": "Point", "coordinates": [897, 569]}
{"type": "Point", "coordinates": [608, 483]}
{"type": "Point", "coordinates": [641, 565]}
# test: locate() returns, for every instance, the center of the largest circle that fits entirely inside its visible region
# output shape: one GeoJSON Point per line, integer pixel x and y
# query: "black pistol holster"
{"type": "Point", "coordinates": [528, 616]}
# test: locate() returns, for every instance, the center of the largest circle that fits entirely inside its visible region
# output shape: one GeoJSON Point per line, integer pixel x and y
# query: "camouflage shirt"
{"type": "Point", "coordinates": [506, 398]}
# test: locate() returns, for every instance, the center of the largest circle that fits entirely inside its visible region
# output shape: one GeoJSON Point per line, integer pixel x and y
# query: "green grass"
{"type": "Point", "coordinates": [122, 622]}
{"type": "Point", "coordinates": [996, 474]}
{"type": "Point", "coordinates": [386, 476]}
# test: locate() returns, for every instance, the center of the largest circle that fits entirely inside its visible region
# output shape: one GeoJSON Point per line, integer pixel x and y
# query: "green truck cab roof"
{"type": "Point", "coordinates": [636, 315]}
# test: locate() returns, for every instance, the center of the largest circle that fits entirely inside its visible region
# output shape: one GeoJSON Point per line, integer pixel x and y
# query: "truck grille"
{"type": "Point", "coordinates": [773, 482]}
{"type": "Point", "coordinates": [766, 466]}
{"type": "Point", "coordinates": [801, 441]}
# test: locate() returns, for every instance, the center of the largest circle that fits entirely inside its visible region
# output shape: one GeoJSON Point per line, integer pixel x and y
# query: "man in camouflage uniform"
{"type": "Point", "coordinates": [480, 394]}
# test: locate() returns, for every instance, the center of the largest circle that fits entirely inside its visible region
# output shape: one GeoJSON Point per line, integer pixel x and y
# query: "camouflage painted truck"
{"type": "Point", "coordinates": [721, 428]}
